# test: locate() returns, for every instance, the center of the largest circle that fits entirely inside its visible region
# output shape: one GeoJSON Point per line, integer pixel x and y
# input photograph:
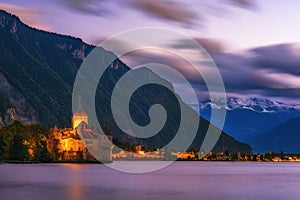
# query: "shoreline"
{"type": "Point", "coordinates": [98, 162]}
{"type": "Point", "coordinates": [53, 162]}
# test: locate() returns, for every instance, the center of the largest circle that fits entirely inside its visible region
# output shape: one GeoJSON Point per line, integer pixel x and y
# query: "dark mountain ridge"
{"type": "Point", "coordinates": [40, 68]}
{"type": "Point", "coordinates": [285, 138]}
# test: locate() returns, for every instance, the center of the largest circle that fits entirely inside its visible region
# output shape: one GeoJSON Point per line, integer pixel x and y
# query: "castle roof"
{"type": "Point", "coordinates": [86, 132]}
{"type": "Point", "coordinates": [80, 112]}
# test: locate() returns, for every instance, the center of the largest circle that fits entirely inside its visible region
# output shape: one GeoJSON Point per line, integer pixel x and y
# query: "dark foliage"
{"type": "Point", "coordinates": [24, 143]}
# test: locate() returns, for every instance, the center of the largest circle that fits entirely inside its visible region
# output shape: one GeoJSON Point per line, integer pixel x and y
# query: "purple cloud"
{"type": "Point", "coordinates": [263, 72]}
{"type": "Point", "coordinates": [271, 71]}
{"type": "Point", "coordinates": [281, 58]}
{"type": "Point", "coordinates": [184, 13]}
{"type": "Point", "coordinates": [210, 45]}
{"type": "Point", "coordinates": [250, 4]}
{"type": "Point", "coordinates": [90, 7]}
{"type": "Point", "coordinates": [169, 10]}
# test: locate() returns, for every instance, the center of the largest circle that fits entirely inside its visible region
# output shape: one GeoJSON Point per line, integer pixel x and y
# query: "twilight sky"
{"type": "Point", "coordinates": [255, 44]}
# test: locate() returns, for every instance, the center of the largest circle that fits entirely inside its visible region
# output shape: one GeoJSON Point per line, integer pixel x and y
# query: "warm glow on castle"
{"type": "Point", "coordinates": [78, 117]}
{"type": "Point", "coordinates": [76, 143]}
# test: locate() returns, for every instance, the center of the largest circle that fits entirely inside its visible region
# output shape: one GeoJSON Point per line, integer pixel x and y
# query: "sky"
{"type": "Point", "coordinates": [254, 44]}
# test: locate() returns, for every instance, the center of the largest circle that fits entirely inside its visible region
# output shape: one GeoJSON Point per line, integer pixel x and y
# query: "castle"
{"type": "Point", "coordinates": [80, 143]}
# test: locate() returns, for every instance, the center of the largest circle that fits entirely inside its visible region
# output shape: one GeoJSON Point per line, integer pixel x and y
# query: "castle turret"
{"type": "Point", "coordinates": [78, 117]}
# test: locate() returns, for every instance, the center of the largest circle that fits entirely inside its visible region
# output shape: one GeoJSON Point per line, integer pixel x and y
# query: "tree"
{"type": "Point", "coordinates": [2, 147]}
{"type": "Point", "coordinates": [45, 156]}
{"type": "Point", "coordinates": [269, 155]}
{"type": "Point", "coordinates": [18, 151]}
{"type": "Point", "coordinates": [281, 155]}
{"type": "Point", "coordinates": [226, 153]}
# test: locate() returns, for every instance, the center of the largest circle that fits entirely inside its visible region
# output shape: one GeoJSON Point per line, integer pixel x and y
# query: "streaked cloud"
{"type": "Point", "coordinates": [90, 7]}
{"type": "Point", "coordinates": [168, 10]}
{"type": "Point", "coordinates": [209, 44]}
{"type": "Point", "coordinates": [270, 71]}
{"type": "Point", "coordinates": [187, 14]}
{"type": "Point", "coordinates": [244, 3]}
{"type": "Point", "coordinates": [281, 58]}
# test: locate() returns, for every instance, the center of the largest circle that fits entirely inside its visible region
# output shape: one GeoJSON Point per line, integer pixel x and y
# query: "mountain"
{"type": "Point", "coordinates": [285, 138]}
{"type": "Point", "coordinates": [37, 73]}
{"type": "Point", "coordinates": [259, 105]}
{"type": "Point", "coordinates": [247, 117]}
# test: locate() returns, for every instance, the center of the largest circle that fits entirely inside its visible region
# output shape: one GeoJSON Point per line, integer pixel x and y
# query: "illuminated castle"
{"type": "Point", "coordinates": [77, 143]}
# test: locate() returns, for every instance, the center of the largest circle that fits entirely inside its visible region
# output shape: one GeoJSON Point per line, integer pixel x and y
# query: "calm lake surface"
{"type": "Point", "coordinates": [181, 180]}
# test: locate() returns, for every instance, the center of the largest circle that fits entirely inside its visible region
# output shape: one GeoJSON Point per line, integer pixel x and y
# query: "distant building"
{"type": "Point", "coordinates": [186, 155]}
{"type": "Point", "coordinates": [76, 143]}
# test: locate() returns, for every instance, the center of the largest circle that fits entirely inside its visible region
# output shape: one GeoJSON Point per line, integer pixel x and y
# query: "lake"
{"type": "Point", "coordinates": [181, 180]}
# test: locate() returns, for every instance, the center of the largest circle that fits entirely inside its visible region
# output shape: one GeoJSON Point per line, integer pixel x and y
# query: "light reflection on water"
{"type": "Point", "coordinates": [182, 180]}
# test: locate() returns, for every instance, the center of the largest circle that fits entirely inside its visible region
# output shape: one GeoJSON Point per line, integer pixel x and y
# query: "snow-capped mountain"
{"type": "Point", "coordinates": [254, 104]}
{"type": "Point", "coordinates": [248, 117]}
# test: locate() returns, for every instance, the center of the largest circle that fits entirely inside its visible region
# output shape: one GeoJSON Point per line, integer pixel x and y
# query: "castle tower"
{"type": "Point", "coordinates": [78, 117]}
